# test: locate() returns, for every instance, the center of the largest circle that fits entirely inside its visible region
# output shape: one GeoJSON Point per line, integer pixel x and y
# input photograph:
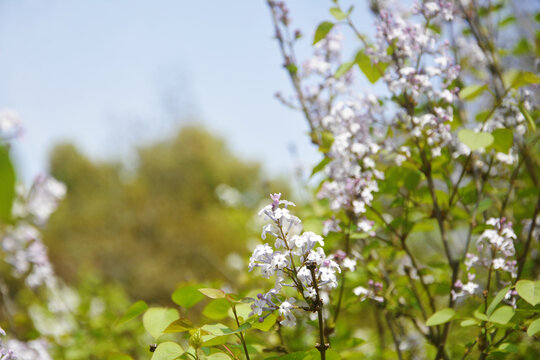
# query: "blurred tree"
{"type": "Point", "coordinates": [173, 215]}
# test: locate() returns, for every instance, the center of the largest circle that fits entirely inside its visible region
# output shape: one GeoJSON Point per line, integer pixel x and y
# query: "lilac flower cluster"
{"type": "Point", "coordinates": [5, 353]}
{"type": "Point", "coordinates": [495, 251]}
{"type": "Point", "coordinates": [373, 291]}
{"type": "Point", "coordinates": [296, 260]}
{"type": "Point", "coordinates": [21, 243]}
{"type": "Point", "coordinates": [420, 69]}
{"type": "Point", "coordinates": [10, 124]}
{"type": "Point", "coordinates": [23, 249]}
{"type": "Point", "coordinates": [352, 173]}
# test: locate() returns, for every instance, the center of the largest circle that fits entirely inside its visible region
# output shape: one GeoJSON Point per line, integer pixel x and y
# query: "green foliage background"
{"type": "Point", "coordinates": [163, 217]}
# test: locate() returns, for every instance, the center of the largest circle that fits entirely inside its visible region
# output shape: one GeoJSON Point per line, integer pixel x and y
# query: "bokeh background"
{"type": "Point", "coordinates": [161, 119]}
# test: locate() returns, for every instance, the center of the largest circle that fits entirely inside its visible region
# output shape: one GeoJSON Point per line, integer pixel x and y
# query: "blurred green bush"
{"type": "Point", "coordinates": [180, 211]}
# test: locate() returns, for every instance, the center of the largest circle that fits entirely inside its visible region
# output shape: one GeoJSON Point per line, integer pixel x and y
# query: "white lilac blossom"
{"type": "Point", "coordinates": [5, 353]}
{"type": "Point", "coordinates": [354, 121]}
{"type": "Point", "coordinates": [14, 349]}
{"type": "Point", "coordinates": [352, 174]}
{"type": "Point", "coordinates": [495, 251]}
{"type": "Point", "coordinates": [24, 250]}
{"type": "Point", "coordinates": [420, 69]}
{"type": "Point", "coordinates": [10, 124]}
{"type": "Point", "coordinates": [41, 200]}
{"type": "Point", "coordinates": [371, 292]}
{"type": "Point", "coordinates": [294, 260]}
{"type": "Point", "coordinates": [31, 350]}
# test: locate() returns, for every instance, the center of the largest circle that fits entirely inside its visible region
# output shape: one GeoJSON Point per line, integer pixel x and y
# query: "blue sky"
{"type": "Point", "coordinates": [108, 74]}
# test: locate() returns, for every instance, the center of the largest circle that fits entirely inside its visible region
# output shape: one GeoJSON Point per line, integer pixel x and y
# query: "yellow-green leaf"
{"type": "Point", "coordinates": [534, 327]}
{"type": "Point", "coordinates": [440, 317]}
{"type": "Point", "coordinates": [179, 325]}
{"type": "Point", "coordinates": [528, 117]}
{"type": "Point", "coordinates": [472, 91]}
{"type": "Point", "coordinates": [156, 320]}
{"type": "Point", "coordinates": [529, 291]}
{"type": "Point", "coordinates": [337, 13]}
{"type": "Point", "coordinates": [213, 293]}
{"type": "Point", "coordinates": [496, 300]}
{"type": "Point", "coordinates": [133, 311]}
{"type": "Point", "coordinates": [502, 315]}
{"type": "Point", "coordinates": [322, 30]}
{"type": "Point", "coordinates": [187, 296]}
{"type": "Point", "coordinates": [475, 140]}
{"type": "Point", "coordinates": [167, 351]}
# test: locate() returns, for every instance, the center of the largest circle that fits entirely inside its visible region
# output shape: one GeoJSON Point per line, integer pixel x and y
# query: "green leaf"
{"type": "Point", "coordinates": [293, 69]}
{"type": "Point", "coordinates": [242, 311]}
{"type": "Point", "coordinates": [480, 316]}
{"type": "Point", "coordinates": [507, 21]}
{"type": "Point", "coordinates": [512, 78]}
{"type": "Point", "coordinates": [217, 309]}
{"type": "Point", "coordinates": [441, 317]}
{"type": "Point", "coordinates": [343, 69]}
{"type": "Point", "coordinates": [321, 165]}
{"type": "Point", "coordinates": [469, 322]}
{"type": "Point", "coordinates": [472, 91]}
{"type": "Point", "coordinates": [354, 342]}
{"type": "Point", "coordinates": [508, 347]}
{"type": "Point", "coordinates": [412, 179]}
{"type": "Point", "coordinates": [530, 78]}
{"type": "Point", "coordinates": [267, 324]}
{"type": "Point", "coordinates": [187, 296]}
{"type": "Point", "coordinates": [496, 300]}
{"type": "Point", "coordinates": [534, 327]}
{"type": "Point", "coordinates": [338, 14]}
{"type": "Point", "coordinates": [503, 139]}
{"type": "Point", "coordinates": [522, 47]}
{"type": "Point", "coordinates": [502, 315]}
{"type": "Point", "coordinates": [243, 327]}
{"type": "Point", "coordinates": [475, 140]}
{"type": "Point", "coordinates": [484, 205]}
{"type": "Point", "coordinates": [327, 139]}
{"type": "Point", "coordinates": [7, 187]}
{"type": "Point", "coordinates": [133, 311]}
{"type": "Point", "coordinates": [322, 30]}
{"type": "Point", "coordinates": [179, 325]}
{"type": "Point", "coordinates": [167, 351]}
{"type": "Point", "coordinates": [372, 71]}
{"type": "Point", "coordinates": [529, 291]}
{"type": "Point", "coordinates": [213, 293]}
{"type": "Point", "coordinates": [528, 117]}
{"type": "Point", "coordinates": [157, 319]}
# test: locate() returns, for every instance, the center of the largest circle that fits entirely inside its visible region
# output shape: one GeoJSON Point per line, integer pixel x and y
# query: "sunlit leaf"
{"type": "Point", "coordinates": [475, 140]}
{"type": "Point", "coordinates": [337, 13]}
{"type": "Point", "coordinates": [496, 300]}
{"type": "Point", "coordinates": [502, 315]}
{"type": "Point", "coordinates": [217, 309]}
{"type": "Point", "coordinates": [156, 320]}
{"type": "Point", "coordinates": [441, 317]}
{"type": "Point", "coordinates": [133, 311]}
{"type": "Point", "coordinates": [187, 296]}
{"type": "Point", "coordinates": [213, 293]}
{"type": "Point", "coordinates": [167, 351]}
{"type": "Point", "coordinates": [472, 91]}
{"type": "Point", "coordinates": [322, 30]}
{"type": "Point", "coordinates": [529, 291]}
{"type": "Point", "coordinates": [7, 181]}
{"type": "Point", "coordinates": [534, 327]}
